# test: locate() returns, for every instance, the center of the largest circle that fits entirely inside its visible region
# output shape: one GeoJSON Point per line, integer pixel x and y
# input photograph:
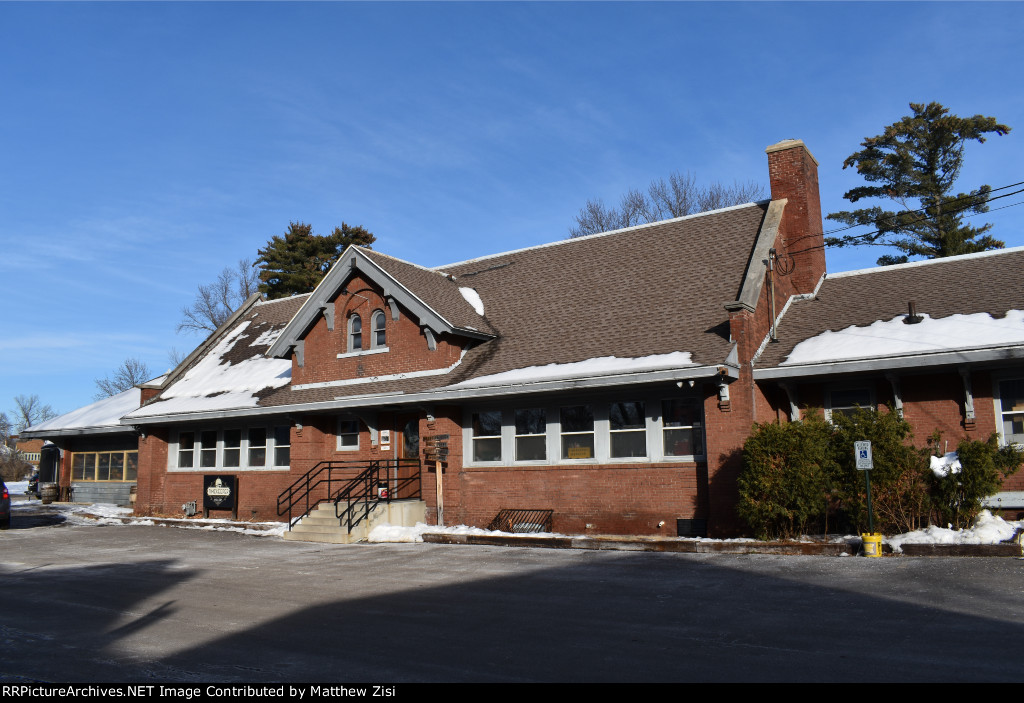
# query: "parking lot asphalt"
{"type": "Point", "coordinates": [141, 604]}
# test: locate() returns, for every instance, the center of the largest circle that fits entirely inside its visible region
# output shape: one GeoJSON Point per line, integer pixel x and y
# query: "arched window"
{"type": "Point", "coordinates": [380, 338]}
{"type": "Point", "coordinates": [355, 333]}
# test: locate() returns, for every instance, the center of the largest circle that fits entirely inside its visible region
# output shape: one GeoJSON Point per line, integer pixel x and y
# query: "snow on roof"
{"type": "Point", "coordinates": [473, 298]}
{"type": "Point", "coordinates": [602, 366]}
{"type": "Point", "coordinates": [894, 337]}
{"type": "Point", "coordinates": [215, 383]}
{"type": "Point", "coordinates": [102, 413]}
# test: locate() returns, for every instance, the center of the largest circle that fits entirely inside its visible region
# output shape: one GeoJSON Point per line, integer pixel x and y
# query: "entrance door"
{"type": "Point", "coordinates": [409, 436]}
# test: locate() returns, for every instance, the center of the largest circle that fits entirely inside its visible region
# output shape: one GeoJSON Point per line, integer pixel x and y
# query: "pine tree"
{"type": "Point", "coordinates": [296, 262]}
{"type": "Point", "coordinates": [915, 163]}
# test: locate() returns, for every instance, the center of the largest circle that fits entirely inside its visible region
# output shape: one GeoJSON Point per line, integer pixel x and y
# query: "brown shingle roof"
{"type": "Point", "coordinates": [649, 290]}
{"type": "Point", "coordinates": [435, 289]}
{"type": "Point", "coordinates": [990, 282]}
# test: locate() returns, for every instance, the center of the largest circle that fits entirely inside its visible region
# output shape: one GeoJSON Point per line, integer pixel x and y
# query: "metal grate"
{"type": "Point", "coordinates": [691, 527]}
{"type": "Point", "coordinates": [521, 520]}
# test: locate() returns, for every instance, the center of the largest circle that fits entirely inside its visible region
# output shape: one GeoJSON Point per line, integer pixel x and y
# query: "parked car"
{"type": "Point", "coordinates": [5, 506]}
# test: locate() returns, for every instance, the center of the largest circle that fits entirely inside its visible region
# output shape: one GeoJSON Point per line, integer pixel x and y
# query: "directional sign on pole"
{"type": "Point", "coordinates": [862, 453]}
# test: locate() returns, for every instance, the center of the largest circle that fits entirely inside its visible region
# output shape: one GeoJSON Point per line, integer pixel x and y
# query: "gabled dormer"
{"type": "Point", "coordinates": [377, 317]}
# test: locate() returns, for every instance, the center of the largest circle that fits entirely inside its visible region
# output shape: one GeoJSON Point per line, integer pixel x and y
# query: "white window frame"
{"type": "Point", "coordinates": [601, 406]}
{"type": "Point", "coordinates": [997, 403]}
{"type": "Point", "coordinates": [338, 446]}
{"type": "Point", "coordinates": [383, 329]}
{"type": "Point", "coordinates": [243, 448]}
{"type": "Point", "coordinates": [351, 334]}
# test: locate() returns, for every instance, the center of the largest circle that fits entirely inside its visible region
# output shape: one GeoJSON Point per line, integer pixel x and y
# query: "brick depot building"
{"type": "Point", "coordinates": [609, 379]}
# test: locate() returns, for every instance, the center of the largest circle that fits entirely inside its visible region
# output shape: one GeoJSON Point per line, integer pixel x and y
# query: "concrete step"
{"type": "Point", "coordinates": [321, 525]}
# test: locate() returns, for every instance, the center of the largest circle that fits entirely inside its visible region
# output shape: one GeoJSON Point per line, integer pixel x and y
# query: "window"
{"type": "Point", "coordinates": [355, 333]}
{"type": "Point", "coordinates": [378, 329]}
{"type": "Point", "coordinates": [1011, 410]}
{"type": "Point", "coordinates": [531, 434]}
{"type": "Point", "coordinates": [627, 424]}
{"type": "Point", "coordinates": [257, 446]}
{"type": "Point", "coordinates": [231, 448]}
{"type": "Point", "coordinates": [348, 434]}
{"type": "Point", "coordinates": [577, 432]}
{"type": "Point", "coordinates": [208, 449]}
{"type": "Point", "coordinates": [647, 428]}
{"type": "Point", "coordinates": [681, 427]}
{"type": "Point", "coordinates": [844, 401]}
{"type": "Point", "coordinates": [487, 436]}
{"type": "Point", "coordinates": [282, 445]}
{"type": "Point", "coordinates": [105, 466]}
{"type": "Point", "coordinates": [186, 449]}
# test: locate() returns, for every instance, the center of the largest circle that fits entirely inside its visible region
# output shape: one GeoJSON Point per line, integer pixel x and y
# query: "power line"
{"type": "Point", "coordinates": [868, 234]}
{"type": "Point", "coordinates": [922, 209]}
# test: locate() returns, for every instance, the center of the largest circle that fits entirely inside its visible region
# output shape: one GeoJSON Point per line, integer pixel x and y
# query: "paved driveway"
{"type": "Point", "coordinates": [145, 604]}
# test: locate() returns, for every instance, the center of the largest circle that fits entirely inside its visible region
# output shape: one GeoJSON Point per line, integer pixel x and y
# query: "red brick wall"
{"type": "Point", "coordinates": [406, 342]}
{"type": "Point", "coordinates": [793, 174]}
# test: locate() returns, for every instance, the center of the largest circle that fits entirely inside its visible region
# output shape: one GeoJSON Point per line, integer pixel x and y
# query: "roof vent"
{"type": "Point", "coordinates": [912, 317]}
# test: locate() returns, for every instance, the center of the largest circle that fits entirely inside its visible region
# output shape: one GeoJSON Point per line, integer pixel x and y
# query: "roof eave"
{"type": "Point", "coordinates": [443, 395]}
{"type": "Point", "coordinates": [948, 358]}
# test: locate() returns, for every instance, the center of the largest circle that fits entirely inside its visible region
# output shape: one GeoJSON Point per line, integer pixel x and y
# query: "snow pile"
{"type": "Point", "coordinates": [893, 337]}
{"type": "Point", "coordinates": [601, 366]}
{"type": "Point", "coordinates": [102, 413]}
{"type": "Point", "coordinates": [943, 466]}
{"type": "Point", "coordinates": [473, 298]}
{"type": "Point", "coordinates": [987, 529]}
{"type": "Point", "coordinates": [396, 533]}
{"type": "Point", "coordinates": [216, 384]}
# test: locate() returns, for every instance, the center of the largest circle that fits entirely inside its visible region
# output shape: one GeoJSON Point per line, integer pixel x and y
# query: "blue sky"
{"type": "Point", "coordinates": [146, 146]}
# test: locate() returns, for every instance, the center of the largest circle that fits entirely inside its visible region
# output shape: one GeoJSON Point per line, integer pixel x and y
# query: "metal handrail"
{"type": "Point", "coordinates": [324, 474]}
{"type": "Point", "coordinates": [357, 488]}
{"type": "Point", "coordinates": [364, 493]}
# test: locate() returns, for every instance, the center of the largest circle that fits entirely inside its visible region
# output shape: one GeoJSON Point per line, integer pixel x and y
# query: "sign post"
{"type": "Point", "coordinates": [865, 462]}
{"type": "Point", "coordinates": [435, 449]}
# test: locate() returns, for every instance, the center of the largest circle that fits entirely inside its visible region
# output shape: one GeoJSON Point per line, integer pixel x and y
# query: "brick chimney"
{"type": "Point", "coordinates": [793, 173]}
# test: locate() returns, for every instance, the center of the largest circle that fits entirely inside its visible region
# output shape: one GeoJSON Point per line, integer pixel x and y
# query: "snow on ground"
{"type": "Point", "coordinates": [987, 529]}
{"type": "Point", "coordinates": [107, 514]}
{"type": "Point", "coordinates": [893, 337]}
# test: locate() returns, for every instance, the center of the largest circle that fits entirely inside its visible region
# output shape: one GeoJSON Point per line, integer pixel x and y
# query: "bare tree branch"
{"type": "Point", "coordinates": [30, 411]}
{"type": "Point", "coordinates": [678, 197]}
{"type": "Point", "coordinates": [216, 301]}
{"type": "Point", "coordinates": [129, 374]}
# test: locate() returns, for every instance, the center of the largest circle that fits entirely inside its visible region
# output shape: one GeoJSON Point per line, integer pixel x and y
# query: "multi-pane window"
{"type": "Point", "coordinates": [105, 466]}
{"type": "Point", "coordinates": [487, 436]}
{"type": "Point", "coordinates": [348, 434]}
{"type": "Point", "coordinates": [378, 328]}
{"type": "Point", "coordinates": [627, 424]}
{"type": "Point", "coordinates": [651, 428]}
{"type": "Point", "coordinates": [355, 333]}
{"type": "Point", "coordinates": [232, 448]}
{"type": "Point", "coordinates": [577, 424]}
{"type": "Point", "coordinates": [681, 427]}
{"type": "Point", "coordinates": [531, 434]}
{"type": "Point", "coordinates": [1011, 410]}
